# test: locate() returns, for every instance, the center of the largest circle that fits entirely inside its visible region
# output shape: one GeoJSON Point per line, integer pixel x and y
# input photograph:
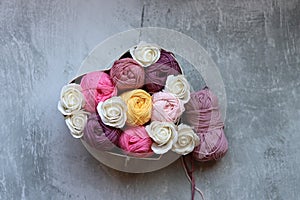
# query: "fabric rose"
{"type": "Point", "coordinates": [163, 134]}
{"type": "Point", "coordinates": [126, 74]}
{"type": "Point", "coordinates": [145, 54]}
{"type": "Point", "coordinates": [187, 140]}
{"type": "Point", "coordinates": [71, 99]}
{"type": "Point", "coordinates": [166, 107]}
{"type": "Point", "coordinates": [139, 106]}
{"type": "Point", "coordinates": [136, 141]}
{"type": "Point", "coordinates": [96, 87]}
{"type": "Point", "coordinates": [76, 123]}
{"type": "Point", "coordinates": [179, 86]}
{"type": "Point", "coordinates": [113, 112]}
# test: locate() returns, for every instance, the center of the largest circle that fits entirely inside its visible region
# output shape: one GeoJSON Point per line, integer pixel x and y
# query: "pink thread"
{"type": "Point", "coordinates": [189, 174]}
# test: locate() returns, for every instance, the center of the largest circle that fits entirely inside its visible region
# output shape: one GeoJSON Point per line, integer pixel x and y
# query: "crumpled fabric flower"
{"type": "Point", "coordinates": [187, 140]}
{"type": "Point", "coordinates": [71, 99]}
{"type": "Point", "coordinates": [145, 54]}
{"type": "Point", "coordinates": [164, 135]}
{"type": "Point", "coordinates": [113, 112]}
{"type": "Point", "coordinates": [76, 123]}
{"type": "Point", "coordinates": [179, 86]}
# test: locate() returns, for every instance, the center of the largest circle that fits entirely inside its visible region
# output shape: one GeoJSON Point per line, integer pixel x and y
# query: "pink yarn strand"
{"type": "Point", "coordinates": [190, 177]}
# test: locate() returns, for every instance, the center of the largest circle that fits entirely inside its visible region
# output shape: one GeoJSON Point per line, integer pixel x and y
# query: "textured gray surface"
{"type": "Point", "coordinates": [256, 45]}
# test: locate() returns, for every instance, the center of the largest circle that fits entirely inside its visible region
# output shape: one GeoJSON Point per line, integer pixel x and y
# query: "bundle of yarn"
{"type": "Point", "coordinates": [203, 114]}
{"type": "Point", "coordinates": [139, 106]}
{"type": "Point", "coordinates": [100, 136]}
{"type": "Point", "coordinates": [136, 141]}
{"type": "Point", "coordinates": [96, 87]}
{"type": "Point", "coordinates": [157, 73]}
{"type": "Point", "coordinates": [127, 74]}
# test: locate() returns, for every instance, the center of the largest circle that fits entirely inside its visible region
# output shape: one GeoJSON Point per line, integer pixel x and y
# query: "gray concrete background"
{"type": "Point", "coordinates": [256, 45]}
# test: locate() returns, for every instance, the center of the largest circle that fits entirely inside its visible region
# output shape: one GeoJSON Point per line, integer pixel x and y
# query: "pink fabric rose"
{"type": "Point", "coordinates": [166, 107]}
{"type": "Point", "coordinates": [135, 141]}
{"type": "Point", "coordinates": [96, 87]}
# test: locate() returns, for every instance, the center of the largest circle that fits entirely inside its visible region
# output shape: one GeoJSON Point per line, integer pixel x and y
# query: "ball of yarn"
{"type": "Point", "coordinates": [213, 145]}
{"type": "Point", "coordinates": [139, 106]}
{"type": "Point", "coordinates": [166, 107]}
{"type": "Point", "coordinates": [202, 111]}
{"type": "Point", "coordinates": [126, 74]}
{"type": "Point", "coordinates": [96, 87]}
{"type": "Point", "coordinates": [135, 141]}
{"type": "Point", "coordinates": [157, 73]}
{"type": "Point", "coordinates": [203, 114]}
{"type": "Point", "coordinates": [98, 135]}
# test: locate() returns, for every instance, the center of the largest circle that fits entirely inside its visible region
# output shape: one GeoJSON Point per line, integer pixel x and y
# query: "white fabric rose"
{"type": "Point", "coordinates": [71, 99]}
{"type": "Point", "coordinates": [145, 54]}
{"type": "Point", "coordinates": [179, 86]}
{"type": "Point", "coordinates": [76, 123]}
{"type": "Point", "coordinates": [187, 140]}
{"type": "Point", "coordinates": [113, 112]}
{"type": "Point", "coordinates": [163, 134]}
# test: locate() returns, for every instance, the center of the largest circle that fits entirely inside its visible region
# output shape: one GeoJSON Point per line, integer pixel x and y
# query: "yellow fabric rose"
{"type": "Point", "coordinates": [139, 106]}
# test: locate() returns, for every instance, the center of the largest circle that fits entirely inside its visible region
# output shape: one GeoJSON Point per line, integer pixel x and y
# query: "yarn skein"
{"type": "Point", "coordinates": [213, 145]}
{"type": "Point", "coordinates": [203, 114]}
{"type": "Point", "coordinates": [98, 135]}
{"type": "Point", "coordinates": [96, 87]}
{"type": "Point", "coordinates": [136, 141]}
{"type": "Point", "coordinates": [127, 74]}
{"type": "Point", "coordinates": [202, 111]}
{"type": "Point", "coordinates": [157, 73]}
{"type": "Point", "coordinates": [139, 106]}
{"type": "Point", "coordinates": [166, 107]}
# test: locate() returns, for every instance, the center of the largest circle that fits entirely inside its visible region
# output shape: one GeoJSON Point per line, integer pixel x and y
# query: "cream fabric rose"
{"type": "Point", "coordinates": [187, 140]}
{"type": "Point", "coordinates": [179, 86]}
{"type": "Point", "coordinates": [113, 112]}
{"type": "Point", "coordinates": [76, 123]}
{"type": "Point", "coordinates": [71, 99]}
{"type": "Point", "coordinates": [163, 134]}
{"type": "Point", "coordinates": [145, 54]}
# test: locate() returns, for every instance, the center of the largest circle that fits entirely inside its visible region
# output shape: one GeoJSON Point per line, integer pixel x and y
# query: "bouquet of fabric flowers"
{"type": "Point", "coordinates": [144, 106]}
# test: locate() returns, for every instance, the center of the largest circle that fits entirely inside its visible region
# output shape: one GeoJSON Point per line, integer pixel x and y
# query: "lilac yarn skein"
{"type": "Point", "coordinates": [157, 73]}
{"type": "Point", "coordinates": [202, 111]}
{"type": "Point", "coordinates": [203, 114]}
{"type": "Point", "coordinates": [213, 145]}
{"type": "Point", "coordinates": [98, 135]}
